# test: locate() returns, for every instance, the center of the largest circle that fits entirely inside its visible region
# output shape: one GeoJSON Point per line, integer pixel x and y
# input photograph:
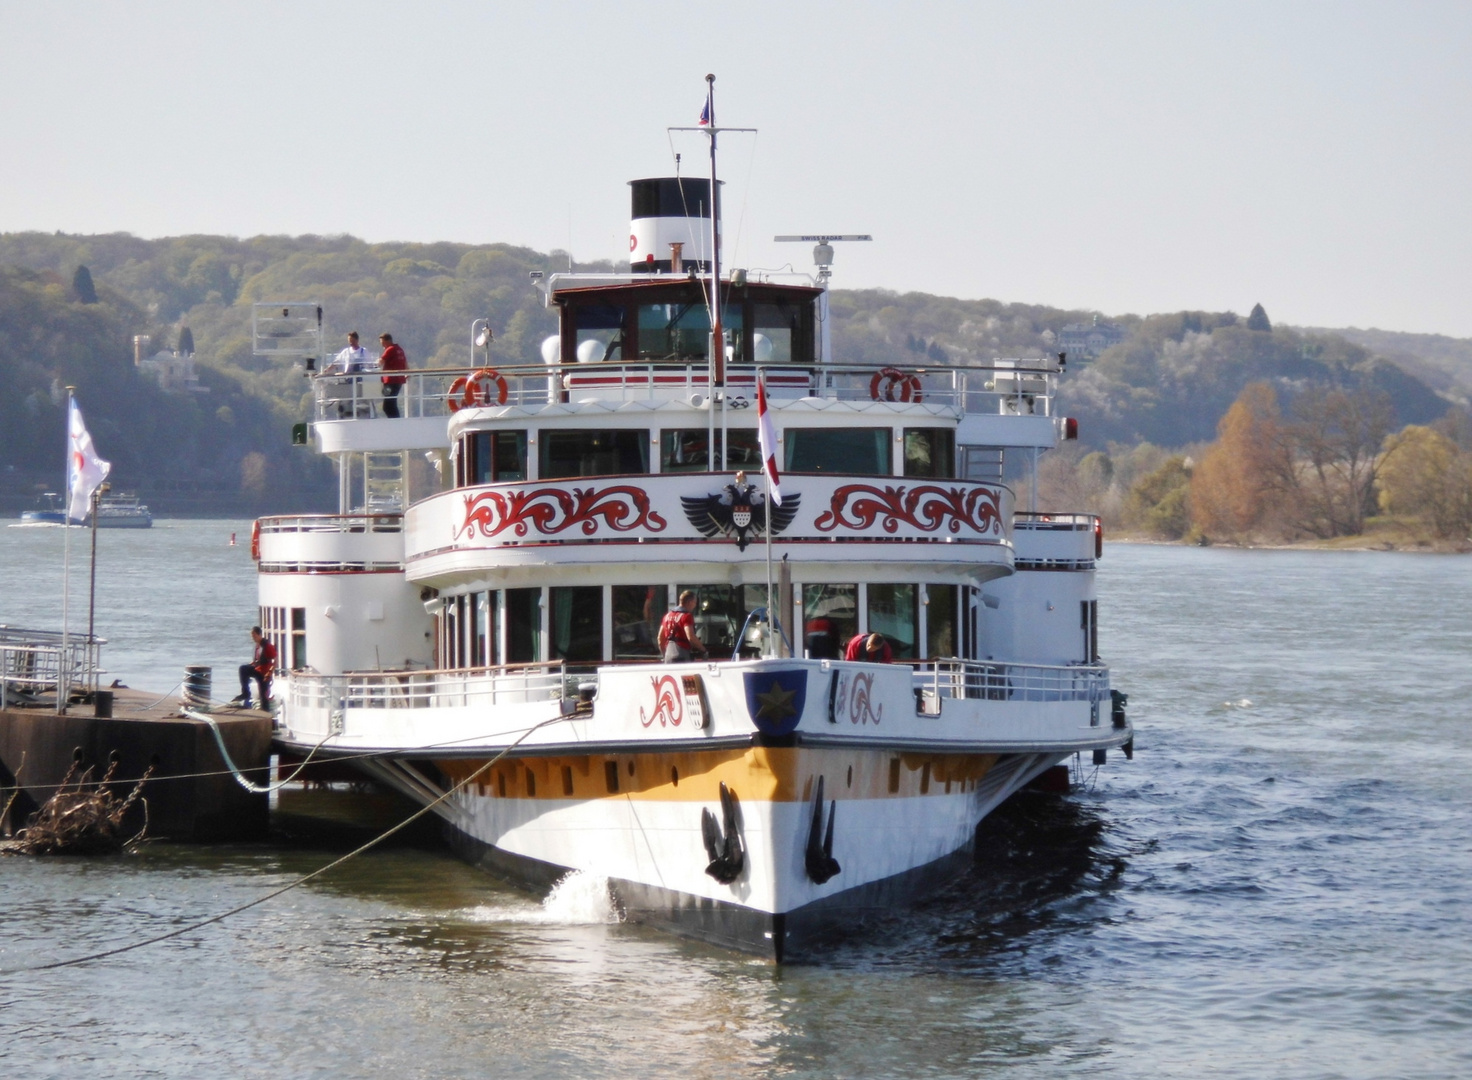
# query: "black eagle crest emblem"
{"type": "Point", "coordinates": [738, 510]}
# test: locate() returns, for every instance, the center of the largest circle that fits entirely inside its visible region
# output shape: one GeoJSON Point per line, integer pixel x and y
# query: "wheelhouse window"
{"type": "Point", "coordinates": [684, 450]}
{"type": "Point", "coordinates": [930, 452]}
{"type": "Point", "coordinates": [782, 332]}
{"type": "Point", "coordinates": [679, 333]}
{"type": "Point", "coordinates": [600, 332]}
{"type": "Point", "coordinates": [720, 616]}
{"type": "Point", "coordinates": [593, 453]}
{"type": "Point", "coordinates": [493, 457]}
{"type": "Point", "coordinates": [838, 450]}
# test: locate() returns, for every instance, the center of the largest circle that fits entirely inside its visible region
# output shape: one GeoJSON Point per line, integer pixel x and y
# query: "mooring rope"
{"type": "Point", "coordinates": [249, 785]}
{"type": "Point", "coordinates": [380, 838]}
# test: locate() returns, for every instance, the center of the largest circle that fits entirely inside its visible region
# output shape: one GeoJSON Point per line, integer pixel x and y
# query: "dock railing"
{"type": "Point", "coordinates": [36, 663]}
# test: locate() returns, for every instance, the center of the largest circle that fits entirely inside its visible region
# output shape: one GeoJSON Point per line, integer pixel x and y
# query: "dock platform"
{"type": "Point", "coordinates": [191, 797]}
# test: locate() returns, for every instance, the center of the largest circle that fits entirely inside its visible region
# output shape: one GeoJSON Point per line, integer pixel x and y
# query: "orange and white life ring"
{"type": "Point", "coordinates": [467, 392]}
{"type": "Point", "coordinates": [892, 384]}
{"type": "Point", "coordinates": [255, 540]}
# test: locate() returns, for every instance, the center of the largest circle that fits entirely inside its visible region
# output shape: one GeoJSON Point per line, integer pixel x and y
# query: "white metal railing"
{"type": "Point", "coordinates": [998, 681]}
{"type": "Point", "coordinates": [1006, 387]}
{"type": "Point", "coordinates": [333, 523]}
{"type": "Point", "coordinates": [515, 683]}
{"type": "Point", "coordinates": [35, 663]}
{"type": "Point", "coordinates": [1027, 520]}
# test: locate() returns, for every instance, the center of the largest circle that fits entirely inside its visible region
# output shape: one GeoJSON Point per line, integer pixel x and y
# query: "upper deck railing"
{"type": "Point", "coordinates": [1006, 387]}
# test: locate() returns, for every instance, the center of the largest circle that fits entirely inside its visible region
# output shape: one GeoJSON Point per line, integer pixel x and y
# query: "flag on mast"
{"type": "Point", "coordinates": [84, 469]}
{"type": "Point", "coordinates": [767, 436]}
{"type": "Point", "coordinates": [705, 114]}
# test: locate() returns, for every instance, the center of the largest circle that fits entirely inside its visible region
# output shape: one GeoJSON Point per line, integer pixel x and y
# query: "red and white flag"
{"type": "Point", "coordinates": [767, 435]}
{"type": "Point", "coordinates": [84, 469]}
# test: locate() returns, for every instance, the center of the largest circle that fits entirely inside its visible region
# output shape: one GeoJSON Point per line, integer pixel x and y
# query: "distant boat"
{"type": "Point", "coordinates": [123, 511]}
{"type": "Point", "coordinates": [49, 510]}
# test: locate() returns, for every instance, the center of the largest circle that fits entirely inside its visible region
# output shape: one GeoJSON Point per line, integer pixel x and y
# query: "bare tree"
{"type": "Point", "coordinates": [1336, 437]}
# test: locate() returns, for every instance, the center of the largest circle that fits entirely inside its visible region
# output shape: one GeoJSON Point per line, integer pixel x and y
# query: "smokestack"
{"type": "Point", "coordinates": [666, 211]}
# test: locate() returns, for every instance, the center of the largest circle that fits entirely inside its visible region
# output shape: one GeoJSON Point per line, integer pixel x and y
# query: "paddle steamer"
{"type": "Point", "coordinates": [504, 552]}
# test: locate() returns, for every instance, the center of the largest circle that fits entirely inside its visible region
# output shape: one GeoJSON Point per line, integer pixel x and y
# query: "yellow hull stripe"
{"type": "Point", "coordinates": [768, 774]}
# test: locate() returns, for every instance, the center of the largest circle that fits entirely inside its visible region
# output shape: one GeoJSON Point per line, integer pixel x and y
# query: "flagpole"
{"type": "Point", "coordinates": [92, 590]}
{"type": "Point", "coordinates": [62, 675]}
{"type": "Point", "coordinates": [772, 631]}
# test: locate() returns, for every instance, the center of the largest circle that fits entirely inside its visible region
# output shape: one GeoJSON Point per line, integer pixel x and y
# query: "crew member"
{"type": "Point", "coordinates": [391, 362]}
{"type": "Point", "coordinates": [353, 360]}
{"type": "Point", "coordinates": [870, 647]}
{"type": "Point", "coordinates": [677, 638]}
{"type": "Point", "coordinates": [261, 667]}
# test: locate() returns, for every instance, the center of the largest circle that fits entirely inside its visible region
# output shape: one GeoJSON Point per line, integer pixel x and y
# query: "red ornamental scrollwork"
{"type": "Point", "coordinates": [669, 706]}
{"type": "Point", "coordinates": [554, 510]}
{"type": "Point", "coordinates": [927, 507]}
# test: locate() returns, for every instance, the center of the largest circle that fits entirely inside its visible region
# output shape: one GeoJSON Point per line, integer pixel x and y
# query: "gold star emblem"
{"type": "Point", "coordinates": [776, 703]}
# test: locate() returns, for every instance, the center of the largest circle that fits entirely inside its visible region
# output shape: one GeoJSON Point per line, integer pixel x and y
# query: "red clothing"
{"type": "Point", "coordinates": [677, 626]}
{"type": "Point", "coordinates": [856, 651]}
{"type": "Point", "coordinates": [264, 659]}
{"type": "Point", "coordinates": [393, 359]}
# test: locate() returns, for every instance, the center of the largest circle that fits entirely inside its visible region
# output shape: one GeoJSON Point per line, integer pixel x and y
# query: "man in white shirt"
{"type": "Point", "coordinates": [351, 361]}
{"type": "Point", "coordinates": [354, 360]}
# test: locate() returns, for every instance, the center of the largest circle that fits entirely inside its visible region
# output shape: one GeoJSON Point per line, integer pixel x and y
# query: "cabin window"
{"type": "Point", "coordinates": [483, 641]}
{"type": "Point", "coordinates": [684, 450]}
{"type": "Point", "coordinates": [782, 333]}
{"type": "Point", "coordinates": [576, 623]}
{"type": "Point", "coordinates": [720, 615]}
{"type": "Point", "coordinates": [930, 452]}
{"type": "Point", "coordinates": [298, 638]}
{"type": "Point", "coordinates": [895, 613]}
{"type": "Point", "coordinates": [863, 451]}
{"type": "Point", "coordinates": [523, 626]}
{"type": "Point", "coordinates": [494, 457]}
{"type": "Point", "coordinates": [830, 618]}
{"type": "Point", "coordinates": [593, 453]}
{"type": "Point", "coordinates": [637, 612]}
{"type": "Point", "coordinates": [941, 607]}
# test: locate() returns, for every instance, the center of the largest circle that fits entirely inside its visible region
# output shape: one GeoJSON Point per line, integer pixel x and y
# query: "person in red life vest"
{"type": "Point", "coordinates": [392, 360]}
{"type": "Point", "coordinates": [261, 667]}
{"type": "Point", "coordinates": [870, 647]}
{"type": "Point", "coordinates": [677, 637]}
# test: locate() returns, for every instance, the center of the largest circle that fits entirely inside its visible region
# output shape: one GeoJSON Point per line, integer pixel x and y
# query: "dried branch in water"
{"type": "Point", "coordinates": [81, 818]}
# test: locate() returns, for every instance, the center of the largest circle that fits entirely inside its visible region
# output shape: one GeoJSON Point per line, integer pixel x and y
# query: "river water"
{"type": "Point", "coordinates": [1274, 887]}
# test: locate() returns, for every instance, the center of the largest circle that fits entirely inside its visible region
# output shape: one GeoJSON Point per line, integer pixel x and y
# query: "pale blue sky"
{"type": "Point", "coordinates": [1125, 157]}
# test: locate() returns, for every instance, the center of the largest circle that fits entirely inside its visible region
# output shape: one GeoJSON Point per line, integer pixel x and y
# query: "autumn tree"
{"type": "Point", "coordinates": [1428, 478]}
{"type": "Point", "coordinates": [1160, 503]}
{"type": "Point", "coordinates": [1337, 438]}
{"type": "Point", "coordinates": [1240, 483]}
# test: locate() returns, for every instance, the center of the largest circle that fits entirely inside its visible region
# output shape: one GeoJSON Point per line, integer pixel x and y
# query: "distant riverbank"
{"type": "Point", "coordinates": [1379, 535]}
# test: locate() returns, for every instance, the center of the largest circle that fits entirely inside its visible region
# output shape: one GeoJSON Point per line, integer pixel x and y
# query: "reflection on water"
{"type": "Point", "coordinates": [1273, 887]}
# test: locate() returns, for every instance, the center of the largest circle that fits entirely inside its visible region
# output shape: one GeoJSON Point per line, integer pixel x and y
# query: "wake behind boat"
{"type": "Point", "coordinates": [490, 640]}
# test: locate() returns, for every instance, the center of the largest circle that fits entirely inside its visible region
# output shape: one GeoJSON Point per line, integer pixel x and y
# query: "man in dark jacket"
{"type": "Point", "coordinates": [392, 360]}
{"type": "Point", "coordinates": [261, 667]}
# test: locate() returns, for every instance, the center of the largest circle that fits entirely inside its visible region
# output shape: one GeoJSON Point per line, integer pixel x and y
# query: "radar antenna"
{"type": "Point", "coordinates": [823, 253]}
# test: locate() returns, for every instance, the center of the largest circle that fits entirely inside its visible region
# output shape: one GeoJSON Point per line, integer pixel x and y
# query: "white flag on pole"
{"type": "Point", "coordinates": [84, 469]}
{"type": "Point", "coordinates": [767, 435]}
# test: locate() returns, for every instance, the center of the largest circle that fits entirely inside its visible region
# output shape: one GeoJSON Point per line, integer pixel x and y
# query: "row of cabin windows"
{"type": "Point", "coordinates": [593, 624]}
{"type": "Point", "coordinates": [490, 457]}
{"type": "Point", "coordinates": [781, 332]}
{"type": "Point", "coordinates": [286, 628]}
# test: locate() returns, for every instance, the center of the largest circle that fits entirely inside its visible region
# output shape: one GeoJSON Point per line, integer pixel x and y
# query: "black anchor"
{"type": "Point", "coordinates": [726, 851]}
{"type": "Point", "coordinates": [819, 860]}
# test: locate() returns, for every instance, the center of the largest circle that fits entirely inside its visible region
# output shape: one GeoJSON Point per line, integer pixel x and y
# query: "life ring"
{"type": "Point", "coordinates": [475, 389]}
{"type": "Point", "coordinates": [897, 386]}
{"type": "Point", "coordinates": [255, 540]}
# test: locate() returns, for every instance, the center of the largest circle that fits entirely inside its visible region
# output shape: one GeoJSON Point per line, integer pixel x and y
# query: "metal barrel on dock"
{"type": "Point", "coordinates": [197, 685]}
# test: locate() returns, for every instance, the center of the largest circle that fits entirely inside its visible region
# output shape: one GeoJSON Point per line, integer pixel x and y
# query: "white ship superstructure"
{"type": "Point", "coordinates": [505, 551]}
